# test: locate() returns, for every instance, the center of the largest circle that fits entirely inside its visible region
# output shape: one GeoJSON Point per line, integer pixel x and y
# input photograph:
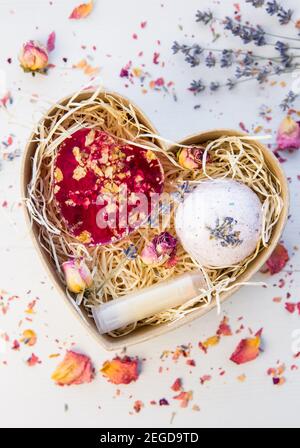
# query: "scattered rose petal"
{"type": "Point", "coordinates": [86, 68]}
{"type": "Point", "coordinates": [181, 350]}
{"type": "Point", "coordinates": [156, 58]}
{"type": "Point", "coordinates": [33, 360]}
{"type": "Point", "coordinates": [210, 342]}
{"type": "Point", "coordinates": [242, 378]}
{"type": "Point", "coordinates": [191, 362]}
{"type": "Point", "coordinates": [184, 398]}
{"type": "Point", "coordinates": [276, 374]}
{"type": "Point", "coordinates": [51, 41]}
{"type": "Point", "coordinates": [205, 378]}
{"type": "Point", "coordinates": [16, 345]}
{"type": "Point", "coordinates": [82, 11]}
{"type": "Point", "coordinates": [30, 307]}
{"type": "Point", "coordinates": [247, 350]}
{"type": "Point", "coordinates": [290, 307]}
{"type": "Point", "coordinates": [176, 386]}
{"type": "Point", "coordinates": [138, 405]}
{"type": "Point", "coordinates": [29, 337]}
{"type": "Point", "coordinates": [224, 329]}
{"type": "Point", "coordinates": [277, 260]}
{"type": "Point", "coordinates": [75, 368]}
{"type": "Point", "coordinates": [121, 370]}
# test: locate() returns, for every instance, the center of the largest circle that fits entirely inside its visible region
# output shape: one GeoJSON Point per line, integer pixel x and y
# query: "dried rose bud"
{"type": "Point", "coordinates": [33, 57]}
{"type": "Point", "coordinates": [161, 247]}
{"type": "Point", "coordinates": [149, 255]}
{"type": "Point", "coordinates": [77, 274]}
{"type": "Point", "coordinates": [191, 158]}
{"type": "Point", "coordinates": [288, 136]}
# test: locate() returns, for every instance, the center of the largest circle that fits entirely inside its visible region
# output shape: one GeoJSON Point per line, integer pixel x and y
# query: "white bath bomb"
{"type": "Point", "coordinates": [219, 223]}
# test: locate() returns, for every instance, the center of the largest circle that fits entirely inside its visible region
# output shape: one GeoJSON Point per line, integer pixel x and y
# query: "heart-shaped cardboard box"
{"type": "Point", "coordinates": [145, 333]}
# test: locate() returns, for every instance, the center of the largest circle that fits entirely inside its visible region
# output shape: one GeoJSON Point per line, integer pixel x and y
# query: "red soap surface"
{"type": "Point", "coordinates": [93, 171]}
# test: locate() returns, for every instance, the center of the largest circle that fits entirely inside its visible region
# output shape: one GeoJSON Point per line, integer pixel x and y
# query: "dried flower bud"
{"type": "Point", "coordinates": [77, 274]}
{"type": "Point", "coordinates": [33, 57]}
{"type": "Point", "coordinates": [161, 248]}
{"type": "Point", "coordinates": [288, 136]}
{"type": "Point", "coordinates": [191, 158]}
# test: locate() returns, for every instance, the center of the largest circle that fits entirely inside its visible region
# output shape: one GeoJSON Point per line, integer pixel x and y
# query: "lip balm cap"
{"type": "Point", "coordinates": [106, 321]}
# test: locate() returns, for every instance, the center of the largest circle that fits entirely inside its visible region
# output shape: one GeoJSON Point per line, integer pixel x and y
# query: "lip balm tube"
{"type": "Point", "coordinates": [147, 302]}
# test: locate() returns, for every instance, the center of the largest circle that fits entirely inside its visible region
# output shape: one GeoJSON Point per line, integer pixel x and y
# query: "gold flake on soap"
{"type": "Point", "coordinates": [58, 175]}
{"type": "Point", "coordinates": [89, 139]}
{"type": "Point", "coordinates": [85, 237]}
{"type": "Point", "coordinates": [79, 173]}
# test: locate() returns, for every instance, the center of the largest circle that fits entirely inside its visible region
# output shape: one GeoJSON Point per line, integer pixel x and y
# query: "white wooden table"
{"type": "Point", "coordinates": [28, 396]}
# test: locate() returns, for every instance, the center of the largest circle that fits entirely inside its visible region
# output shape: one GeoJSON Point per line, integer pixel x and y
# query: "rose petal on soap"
{"type": "Point", "coordinates": [82, 11]}
{"type": "Point", "coordinates": [278, 259]}
{"type": "Point", "coordinates": [121, 370]}
{"type": "Point", "coordinates": [29, 337]}
{"type": "Point", "coordinates": [247, 349]}
{"type": "Point", "coordinates": [51, 41]}
{"type": "Point", "coordinates": [75, 368]}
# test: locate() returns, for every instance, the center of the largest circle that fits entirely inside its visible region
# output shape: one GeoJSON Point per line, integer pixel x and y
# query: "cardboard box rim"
{"type": "Point", "coordinates": [145, 333]}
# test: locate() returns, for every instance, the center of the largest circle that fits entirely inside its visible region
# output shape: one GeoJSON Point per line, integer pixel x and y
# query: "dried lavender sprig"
{"type": "Point", "coordinates": [284, 15]}
{"type": "Point", "coordinates": [248, 33]}
{"type": "Point", "coordinates": [253, 34]}
{"type": "Point", "coordinates": [229, 56]}
{"type": "Point", "coordinates": [288, 102]}
{"type": "Point", "coordinates": [198, 86]}
{"type": "Point", "coordinates": [186, 49]}
{"type": "Point", "coordinates": [256, 3]}
{"type": "Point", "coordinates": [205, 17]}
{"type": "Point", "coordinates": [274, 8]}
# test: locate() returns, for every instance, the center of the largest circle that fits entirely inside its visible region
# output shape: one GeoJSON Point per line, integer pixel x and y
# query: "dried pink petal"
{"type": "Point", "coordinates": [75, 368]}
{"type": "Point", "coordinates": [51, 41]}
